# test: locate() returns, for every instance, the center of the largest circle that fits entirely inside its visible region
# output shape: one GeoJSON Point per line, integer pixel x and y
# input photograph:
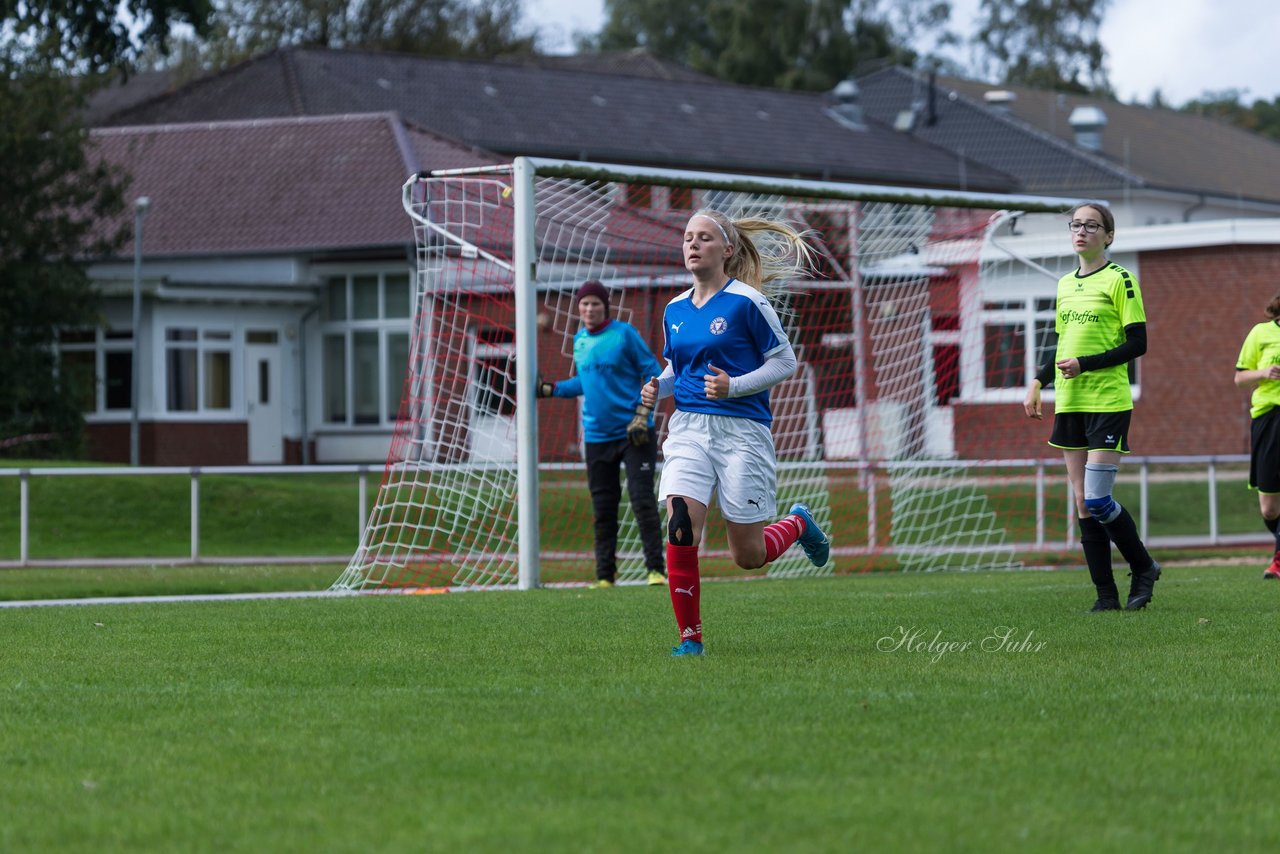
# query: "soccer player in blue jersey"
{"type": "Point", "coordinates": [612, 361]}
{"type": "Point", "coordinates": [1259, 367]}
{"type": "Point", "coordinates": [1101, 326]}
{"type": "Point", "coordinates": [725, 348]}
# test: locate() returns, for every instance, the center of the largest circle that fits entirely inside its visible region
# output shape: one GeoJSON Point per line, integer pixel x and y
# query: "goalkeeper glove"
{"type": "Point", "coordinates": [545, 389]}
{"type": "Point", "coordinates": [638, 429]}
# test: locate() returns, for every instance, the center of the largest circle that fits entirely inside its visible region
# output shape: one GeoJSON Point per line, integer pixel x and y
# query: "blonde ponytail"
{"type": "Point", "coordinates": [764, 250]}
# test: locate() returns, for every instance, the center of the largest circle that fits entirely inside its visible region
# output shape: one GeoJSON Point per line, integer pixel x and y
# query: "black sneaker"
{"type": "Point", "coordinates": [1105, 605]}
{"type": "Point", "coordinates": [1140, 589]}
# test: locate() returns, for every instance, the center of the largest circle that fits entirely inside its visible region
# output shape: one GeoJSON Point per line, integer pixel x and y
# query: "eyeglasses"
{"type": "Point", "coordinates": [1086, 227]}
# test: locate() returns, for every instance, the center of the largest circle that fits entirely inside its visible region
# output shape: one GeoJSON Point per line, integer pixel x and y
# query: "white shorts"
{"type": "Point", "coordinates": [704, 454]}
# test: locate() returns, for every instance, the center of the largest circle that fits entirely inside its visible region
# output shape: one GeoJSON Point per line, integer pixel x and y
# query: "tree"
{"type": "Point", "coordinates": [52, 195]}
{"type": "Point", "coordinates": [55, 195]}
{"type": "Point", "coordinates": [93, 35]}
{"type": "Point", "coordinates": [1267, 115]}
{"type": "Point", "coordinates": [790, 44]}
{"type": "Point", "coordinates": [1225, 106]}
{"type": "Point", "coordinates": [1262, 117]}
{"type": "Point", "coordinates": [241, 28]}
{"type": "Point", "coordinates": [1048, 44]}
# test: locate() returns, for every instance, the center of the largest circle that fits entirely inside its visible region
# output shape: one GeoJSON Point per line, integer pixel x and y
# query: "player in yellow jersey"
{"type": "Point", "coordinates": [1259, 367]}
{"type": "Point", "coordinates": [1101, 326]}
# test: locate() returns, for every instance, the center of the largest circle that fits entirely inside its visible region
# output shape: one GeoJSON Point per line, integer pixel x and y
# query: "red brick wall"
{"type": "Point", "coordinates": [1001, 431]}
{"type": "Point", "coordinates": [1200, 305]}
{"type": "Point", "coordinates": [204, 443]}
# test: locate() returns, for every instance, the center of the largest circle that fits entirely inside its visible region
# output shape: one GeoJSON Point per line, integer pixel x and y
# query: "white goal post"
{"type": "Point", "coordinates": [863, 431]}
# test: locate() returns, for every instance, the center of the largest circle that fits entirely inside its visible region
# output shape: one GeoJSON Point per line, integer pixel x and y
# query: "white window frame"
{"type": "Point", "coordinates": [346, 328]}
{"type": "Point", "coordinates": [100, 346]}
{"type": "Point", "coordinates": [482, 354]}
{"type": "Point", "coordinates": [205, 343]}
{"type": "Point", "coordinates": [973, 356]}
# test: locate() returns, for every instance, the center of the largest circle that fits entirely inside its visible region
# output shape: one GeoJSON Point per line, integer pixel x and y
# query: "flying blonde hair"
{"type": "Point", "coordinates": [764, 250]}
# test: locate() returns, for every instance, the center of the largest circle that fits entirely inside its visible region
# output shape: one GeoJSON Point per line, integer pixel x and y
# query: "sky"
{"type": "Point", "coordinates": [1184, 48]}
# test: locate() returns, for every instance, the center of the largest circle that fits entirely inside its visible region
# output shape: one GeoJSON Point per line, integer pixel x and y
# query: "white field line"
{"type": "Point", "coordinates": [194, 597]}
{"type": "Point", "coordinates": [314, 594]}
{"type": "Point", "coordinates": [564, 585]}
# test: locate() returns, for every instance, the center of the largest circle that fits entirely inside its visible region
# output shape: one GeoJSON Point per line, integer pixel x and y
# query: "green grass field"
{"type": "Point", "coordinates": [556, 720]}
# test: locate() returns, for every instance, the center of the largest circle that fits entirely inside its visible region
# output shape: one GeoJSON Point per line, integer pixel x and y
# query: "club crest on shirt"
{"type": "Point", "coordinates": [718, 326]}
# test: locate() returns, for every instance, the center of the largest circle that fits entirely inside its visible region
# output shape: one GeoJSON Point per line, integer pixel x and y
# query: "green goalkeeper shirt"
{"type": "Point", "coordinates": [1093, 311]}
{"type": "Point", "coordinates": [1261, 350]}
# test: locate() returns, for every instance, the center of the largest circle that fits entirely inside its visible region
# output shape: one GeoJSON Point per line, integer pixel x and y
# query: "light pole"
{"type": "Point", "coordinates": [140, 209]}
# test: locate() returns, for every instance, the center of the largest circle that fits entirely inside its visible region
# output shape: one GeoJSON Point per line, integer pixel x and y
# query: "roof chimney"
{"type": "Point", "coordinates": [845, 107]}
{"type": "Point", "coordinates": [1088, 123]}
{"type": "Point", "coordinates": [1000, 100]}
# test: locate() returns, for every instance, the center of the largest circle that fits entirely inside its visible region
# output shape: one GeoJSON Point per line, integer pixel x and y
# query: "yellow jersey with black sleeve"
{"type": "Point", "coordinates": [1261, 350]}
{"type": "Point", "coordinates": [1092, 312]}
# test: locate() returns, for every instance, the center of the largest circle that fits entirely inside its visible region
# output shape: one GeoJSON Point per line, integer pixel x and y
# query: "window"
{"type": "Point", "coordinates": [335, 379]}
{"type": "Point", "coordinates": [831, 229]}
{"type": "Point", "coordinates": [197, 367]}
{"type": "Point", "coordinates": [944, 338]}
{"type": "Point", "coordinates": [493, 372]}
{"type": "Point", "coordinates": [365, 336]}
{"type": "Point", "coordinates": [364, 297]}
{"type": "Point", "coordinates": [1009, 362]}
{"type": "Point", "coordinates": [1006, 328]}
{"type": "Point", "coordinates": [98, 363]}
{"type": "Point", "coordinates": [399, 296]}
{"type": "Point", "coordinates": [639, 195]}
{"type": "Point", "coordinates": [364, 377]}
{"type": "Point", "coordinates": [397, 370]}
{"type": "Point", "coordinates": [78, 369]}
{"type": "Point", "coordinates": [1004, 356]}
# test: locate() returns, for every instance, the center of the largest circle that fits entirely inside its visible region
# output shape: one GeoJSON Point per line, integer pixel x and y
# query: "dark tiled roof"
{"type": "Point", "coordinates": [1165, 148]}
{"type": "Point", "coordinates": [637, 62]}
{"type": "Point", "coordinates": [277, 185]}
{"type": "Point", "coordinates": [518, 109]}
{"type": "Point", "coordinates": [121, 95]}
{"type": "Point", "coordinates": [1043, 162]}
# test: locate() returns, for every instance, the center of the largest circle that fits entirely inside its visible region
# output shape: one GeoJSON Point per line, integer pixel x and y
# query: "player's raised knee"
{"type": "Point", "coordinates": [679, 525]}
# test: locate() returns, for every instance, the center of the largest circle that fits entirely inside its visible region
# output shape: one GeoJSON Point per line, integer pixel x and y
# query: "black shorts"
{"type": "Point", "coordinates": [1091, 431]}
{"type": "Point", "coordinates": [1264, 456]}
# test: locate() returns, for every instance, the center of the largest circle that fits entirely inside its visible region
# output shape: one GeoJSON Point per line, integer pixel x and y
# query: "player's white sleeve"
{"type": "Point", "coordinates": [778, 366]}
{"type": "Point", "coordinates": [666, 382]}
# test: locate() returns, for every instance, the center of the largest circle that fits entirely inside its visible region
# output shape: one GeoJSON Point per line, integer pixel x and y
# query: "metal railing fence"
{"type": "Point", "coordinates": [1047, 475]}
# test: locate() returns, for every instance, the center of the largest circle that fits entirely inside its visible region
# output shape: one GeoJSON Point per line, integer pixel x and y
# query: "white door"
{"type": "Point", "coordinates": [263, 400]}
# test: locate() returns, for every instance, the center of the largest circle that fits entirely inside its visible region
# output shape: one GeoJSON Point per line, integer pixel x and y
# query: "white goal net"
{"type": "Point", "coordinates": [874, 431]}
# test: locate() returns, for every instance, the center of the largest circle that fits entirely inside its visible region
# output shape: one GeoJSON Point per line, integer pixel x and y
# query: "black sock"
{"type": "Point", "coordinates": [1124, 533]}
{"type": "Point", "coordinates": [1097, 554]}
{"type": "Point", "coordinates": [1273, 525]}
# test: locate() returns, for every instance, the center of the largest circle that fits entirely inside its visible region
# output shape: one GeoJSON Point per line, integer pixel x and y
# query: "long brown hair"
{"type": "Point", "coordinates": [1272, 310]}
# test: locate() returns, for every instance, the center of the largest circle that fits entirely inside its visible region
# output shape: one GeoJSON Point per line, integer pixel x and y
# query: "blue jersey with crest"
{"type": "Point", "coordinates": [613, 363]}
{"type": "Point", "coordinates": [735, 330]}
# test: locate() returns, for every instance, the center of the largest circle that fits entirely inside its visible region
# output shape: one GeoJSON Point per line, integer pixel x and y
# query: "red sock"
{"type": "Point", "coordinates": [779, 536]}
{"type": "Point", "coordinates": [685, 588]}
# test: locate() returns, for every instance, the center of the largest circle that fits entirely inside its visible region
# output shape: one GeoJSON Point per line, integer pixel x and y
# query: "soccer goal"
{"type": "Point", "coordinates": [902, 428]}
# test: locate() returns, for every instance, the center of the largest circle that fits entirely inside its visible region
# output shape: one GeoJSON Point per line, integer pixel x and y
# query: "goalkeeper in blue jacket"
{"type": "Point", "coordinates": [612, 362]}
